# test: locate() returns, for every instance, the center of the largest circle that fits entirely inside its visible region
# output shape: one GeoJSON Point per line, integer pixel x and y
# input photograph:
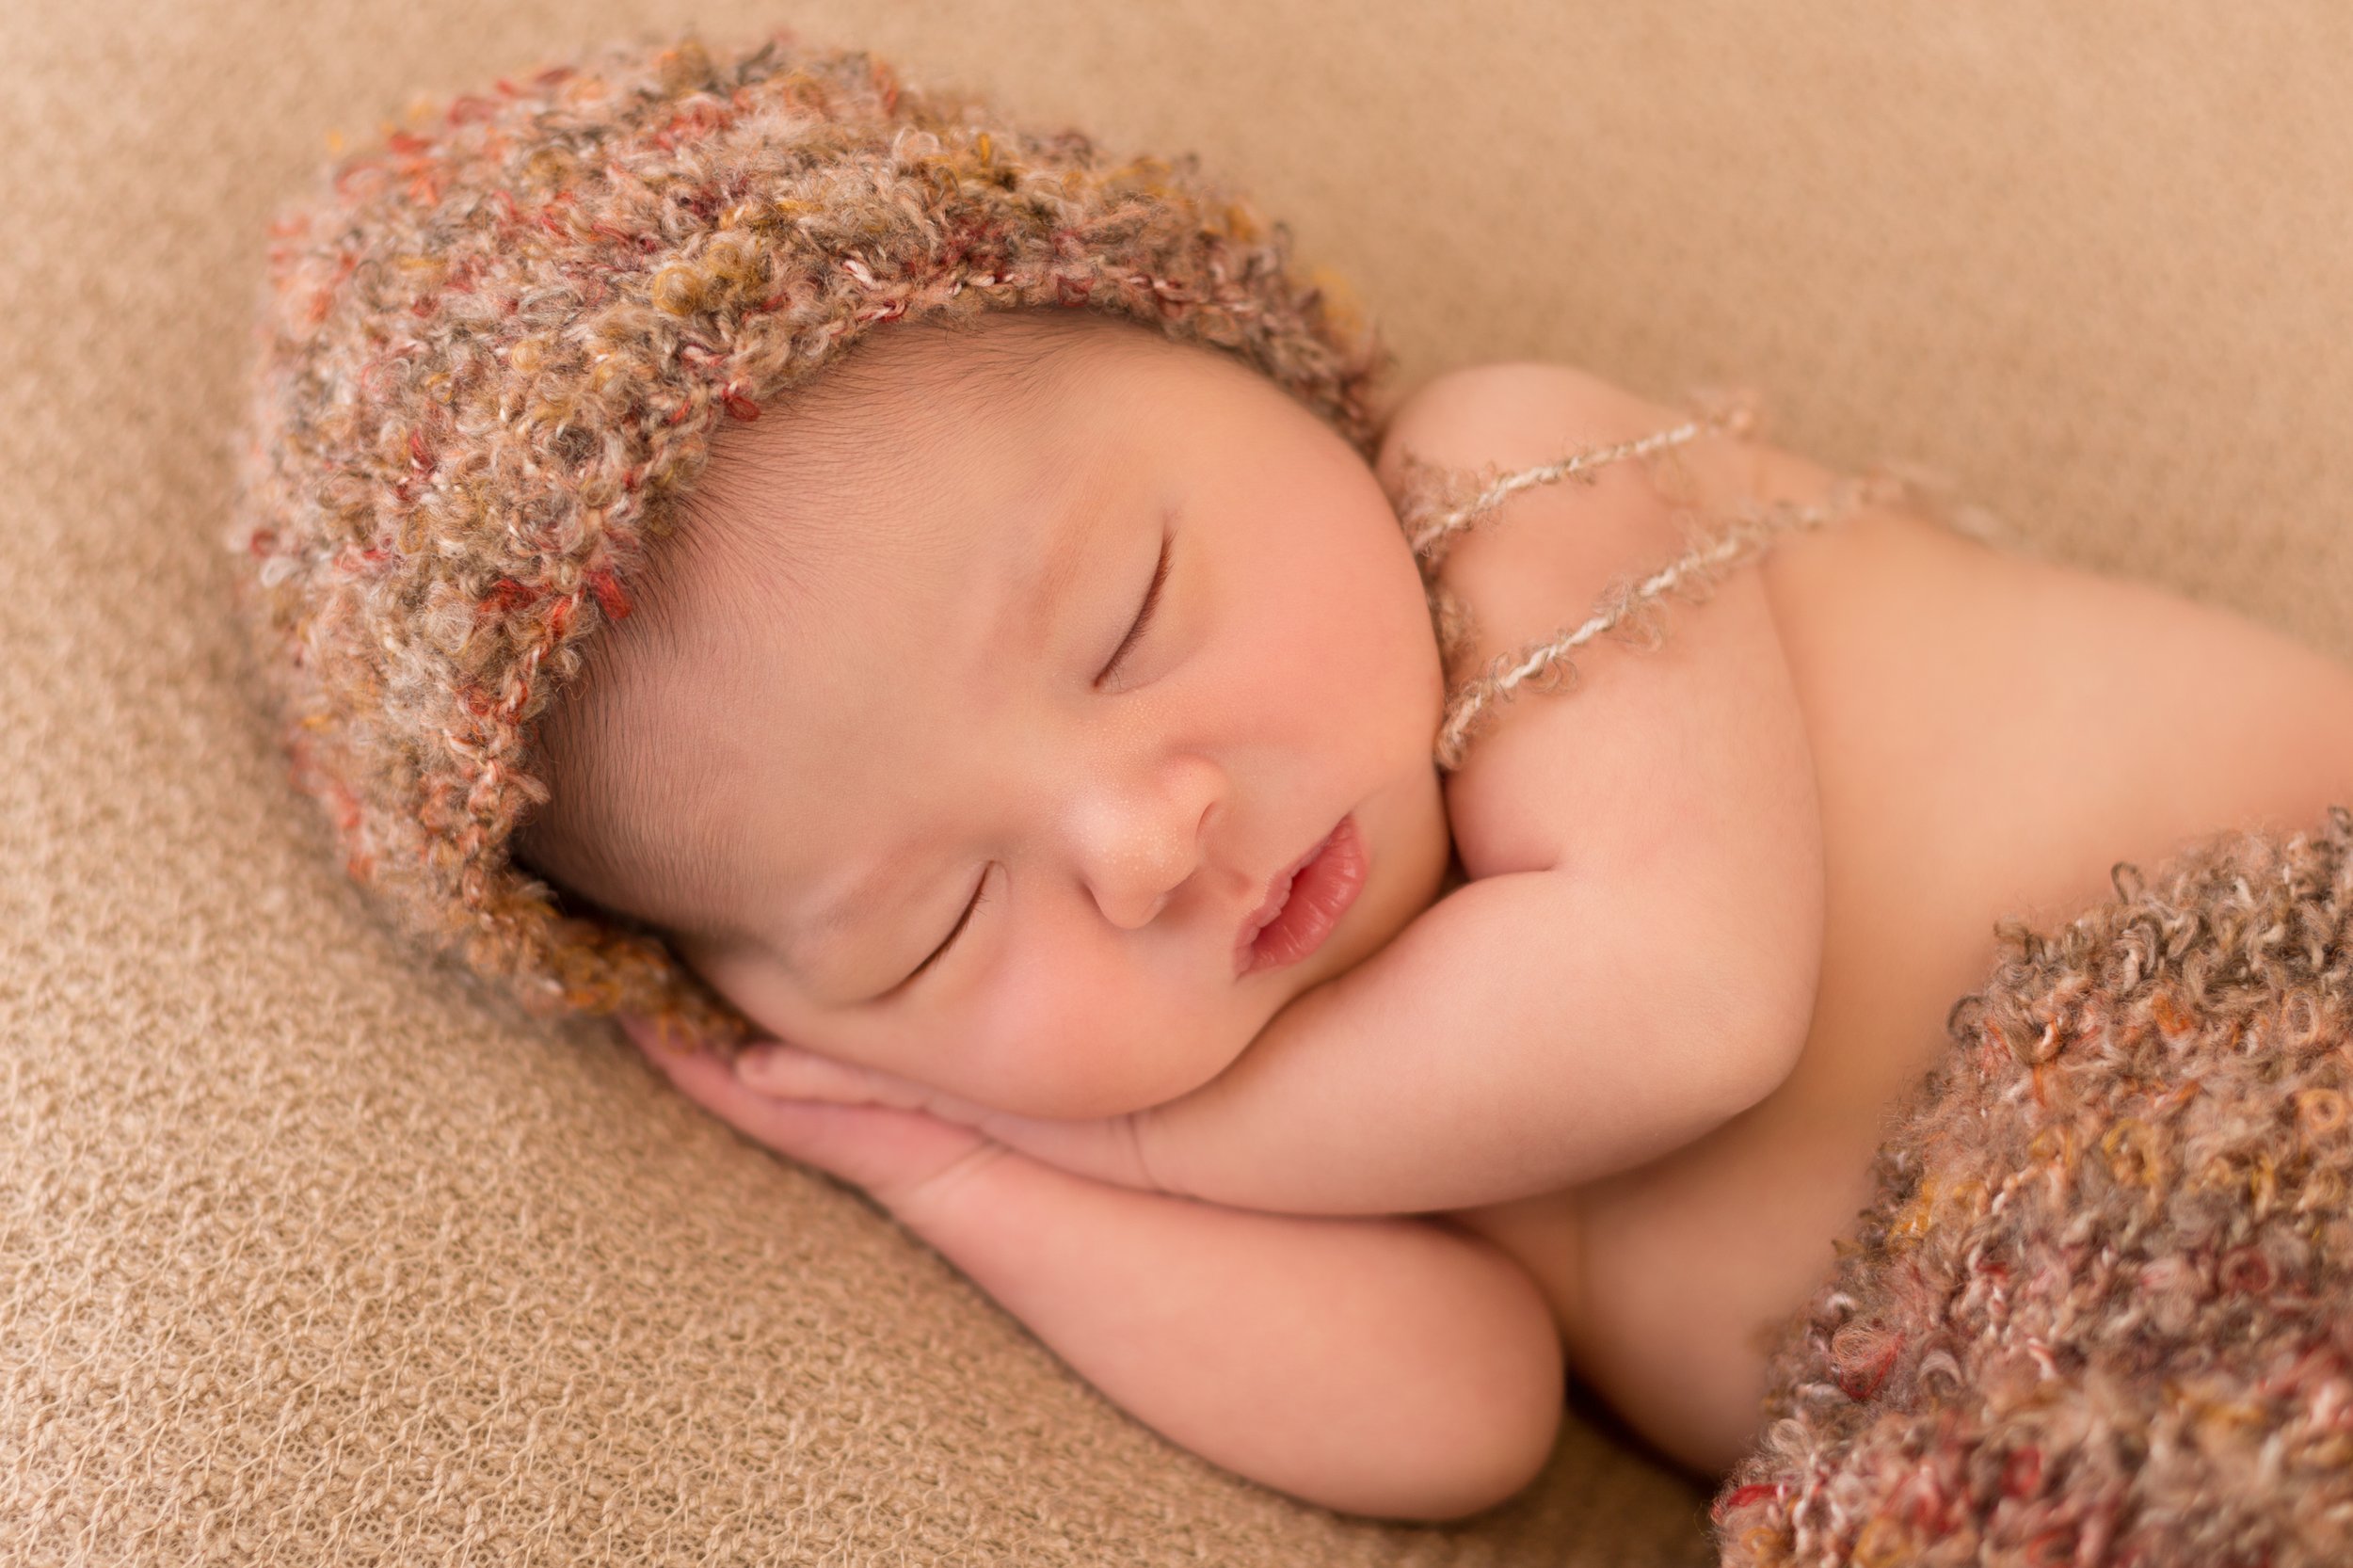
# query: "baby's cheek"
{"type": "Point", "coordinates": [1058, 1037]}
{"type": "Point", "coordinates": [1023, 1051]}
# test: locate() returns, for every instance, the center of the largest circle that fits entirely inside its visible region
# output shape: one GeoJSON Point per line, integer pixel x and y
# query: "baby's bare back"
{"type": "Point", "coordinates": [1987, 734]}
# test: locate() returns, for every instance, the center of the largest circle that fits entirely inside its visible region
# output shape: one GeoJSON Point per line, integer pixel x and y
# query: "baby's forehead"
{"type": "Point", "coordinates": [873, 447]}
{"type": "Point", "coordinates": [888, 457]}
{"type": "Point", "coordinates": [998, 359]}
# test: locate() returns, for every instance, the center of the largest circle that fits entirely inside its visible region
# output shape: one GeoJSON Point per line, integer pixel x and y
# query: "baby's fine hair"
{"type": "Point", "coordinates": [494, 346]}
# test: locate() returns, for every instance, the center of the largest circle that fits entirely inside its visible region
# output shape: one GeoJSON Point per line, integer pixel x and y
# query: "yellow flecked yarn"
{"type": "Point", "coordinates": [492, 349]}
{"type": "Point", "coordinates": [2096, 1310]}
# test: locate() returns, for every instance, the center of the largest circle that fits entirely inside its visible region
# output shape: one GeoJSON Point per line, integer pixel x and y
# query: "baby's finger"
{"type": "Point", "coordinates": [889, 1152]}
{"type": "Point", "coordinates": [647, 1035]}
{"type": "Point", "coordinates": [777, 1068]}
{"type": "Point", "coordinates": [702, 1076]}
{"type": "Point", "coordinates": [709, 1079]}
{"type": "Point", "coordinates": [885, 1151]}
{"type": "Point", "coordinates": [790, 1072]}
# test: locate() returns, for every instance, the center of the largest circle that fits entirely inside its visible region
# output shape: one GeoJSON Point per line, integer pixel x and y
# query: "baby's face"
{"type": "Point", "coordinates": [972, 814]}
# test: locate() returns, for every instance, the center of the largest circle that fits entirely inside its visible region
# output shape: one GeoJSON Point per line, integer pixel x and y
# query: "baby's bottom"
{"type": "Point", "coordinates": [2098, 1308]}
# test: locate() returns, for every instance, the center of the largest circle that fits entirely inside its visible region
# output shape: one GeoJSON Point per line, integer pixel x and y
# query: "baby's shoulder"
{"type": "Point", "coordinates": [1528, 487]}
{"type": "Point", "coordinates": [1514, 413]}
{"type": "Point", "coordinates": [1636, 740]}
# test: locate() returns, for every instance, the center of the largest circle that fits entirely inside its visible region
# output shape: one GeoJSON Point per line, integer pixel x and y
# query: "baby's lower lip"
{"type": "Point", "coordinates": [1322, 892]}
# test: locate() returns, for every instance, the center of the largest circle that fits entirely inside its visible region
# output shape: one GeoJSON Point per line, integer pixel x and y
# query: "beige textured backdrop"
{"type": "Point", "coordinates": [307, 1256]}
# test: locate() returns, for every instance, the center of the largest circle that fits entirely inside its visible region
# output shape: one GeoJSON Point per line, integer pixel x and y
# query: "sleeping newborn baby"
{"type": "Point", "coordinates": [1035, 739]}
{"type": "Point", "coordinates": [741, 542]}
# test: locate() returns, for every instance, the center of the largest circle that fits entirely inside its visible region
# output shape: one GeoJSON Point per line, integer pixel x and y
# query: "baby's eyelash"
{"type": "Point", "coordinates": [980, 896]}
{"type": "Point", "coordinates": [1143, 616]}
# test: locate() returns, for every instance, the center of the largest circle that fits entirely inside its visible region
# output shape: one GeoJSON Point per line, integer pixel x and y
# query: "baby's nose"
{"type": "Point", "coordinates": [1142, 857]}
{"type": "Point", "coordinates": [1138, 883]}
{"type": "Point", "coordinates": [1141, 845]}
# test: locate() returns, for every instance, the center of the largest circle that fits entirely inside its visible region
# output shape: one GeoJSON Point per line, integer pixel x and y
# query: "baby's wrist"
{"type": "Point", "coordinates": [969, 1199]}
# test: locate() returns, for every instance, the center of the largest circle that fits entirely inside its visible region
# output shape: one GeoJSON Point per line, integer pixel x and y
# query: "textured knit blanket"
{"type": "Point", "coordinates": [2097, 1311]}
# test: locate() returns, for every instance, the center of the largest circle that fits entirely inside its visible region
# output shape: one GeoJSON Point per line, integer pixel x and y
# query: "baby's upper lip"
{"type": "Point", "coordinates": [1271, 900]}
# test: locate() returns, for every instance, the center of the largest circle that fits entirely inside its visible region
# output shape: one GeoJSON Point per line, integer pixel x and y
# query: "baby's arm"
{"type": "Point", "coordinates": [1527, 1034]}
{"type": "Point", "coordinates": [1400, 1369]}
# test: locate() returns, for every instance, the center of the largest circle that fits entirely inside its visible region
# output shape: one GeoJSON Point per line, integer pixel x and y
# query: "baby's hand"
{"type": "Point", "coordinates": [1105, 1149]}
{"type": "Point", "coordinates": [894, 1148]}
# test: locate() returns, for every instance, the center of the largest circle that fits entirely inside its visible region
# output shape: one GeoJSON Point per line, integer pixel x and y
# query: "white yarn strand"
{"type": "Point", "coordinates": [1751, 529]}
{"type": "Point", "coordinates": [1734, 419]}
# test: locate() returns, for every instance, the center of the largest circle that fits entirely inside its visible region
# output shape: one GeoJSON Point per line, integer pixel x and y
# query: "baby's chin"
{"type": "Point", "coordinates": [1098, 1098]}
{"type": "Point", "coordinates": [1188, 1055]}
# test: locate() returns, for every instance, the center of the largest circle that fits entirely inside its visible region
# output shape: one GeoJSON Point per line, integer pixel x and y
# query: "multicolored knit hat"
{"type": "Point", "coordinates": [492, 353]}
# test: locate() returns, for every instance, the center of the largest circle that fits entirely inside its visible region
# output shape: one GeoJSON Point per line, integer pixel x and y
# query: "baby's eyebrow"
{"type": "Point", "coordinates": [1025, 615]}
{"type": "Point", "coordinates": [824, 930]}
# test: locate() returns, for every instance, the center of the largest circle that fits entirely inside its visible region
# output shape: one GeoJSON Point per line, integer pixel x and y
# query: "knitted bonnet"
{"type": "Point", "coordinates": [493, 349]}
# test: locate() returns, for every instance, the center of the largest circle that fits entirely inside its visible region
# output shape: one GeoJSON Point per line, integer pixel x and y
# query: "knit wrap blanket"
{"type": "Point", "coordinates": [2097, 1310]}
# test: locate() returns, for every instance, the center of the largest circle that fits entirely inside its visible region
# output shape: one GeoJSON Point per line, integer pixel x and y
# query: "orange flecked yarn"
{"type": "Point", "coordinates": [2100, 1306]}
{"type": "Point", "coordinates": [493, 350]}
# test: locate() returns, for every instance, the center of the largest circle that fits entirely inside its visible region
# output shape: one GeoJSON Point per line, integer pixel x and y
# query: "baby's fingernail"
{"type": "Point", "coordinates": [754, 1063]}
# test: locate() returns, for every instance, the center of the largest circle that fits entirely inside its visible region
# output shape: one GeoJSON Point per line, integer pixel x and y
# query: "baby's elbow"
{"type": "Point", "coordinates": [1493, 1438]}
{"type": "Point", "coordinates": [1764, 1018]}
{"type": "Point", "coordinates": [1469, 1481]}
{"type": "Point", "coordinates": [1504, 1460]}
